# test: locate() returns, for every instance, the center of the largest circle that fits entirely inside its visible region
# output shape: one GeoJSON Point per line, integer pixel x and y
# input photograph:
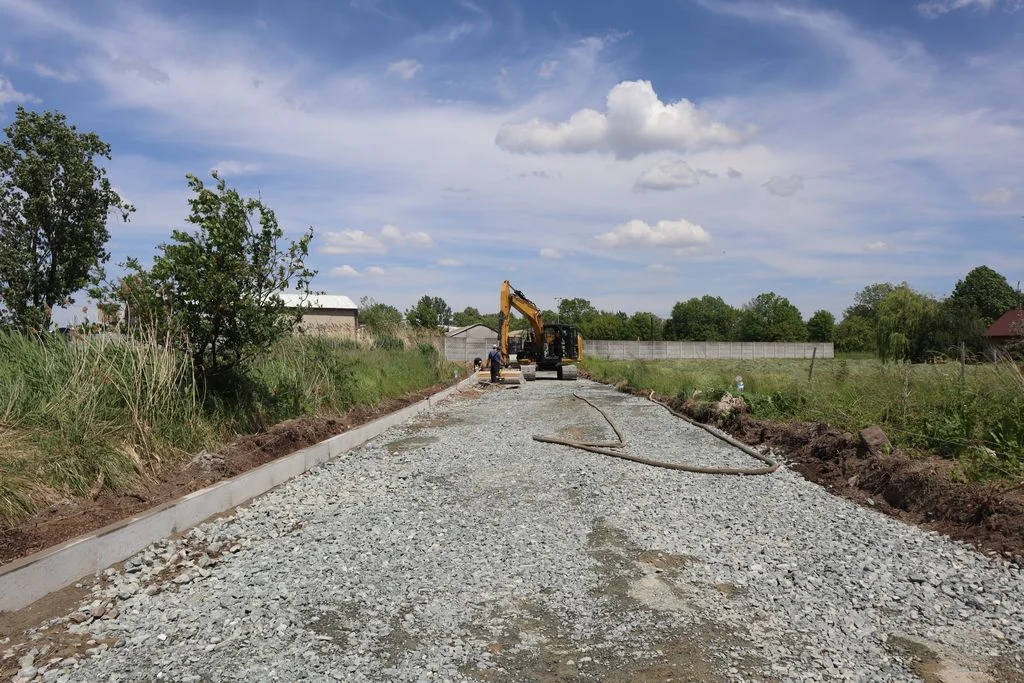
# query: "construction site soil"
{"type": "Point", "coordinates": [919, 490]}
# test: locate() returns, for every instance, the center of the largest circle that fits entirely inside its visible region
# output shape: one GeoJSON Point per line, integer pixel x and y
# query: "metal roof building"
{"type": "Point", "coordinates": [334, 314]}
{"type": "Point", "coordinates": [1009, 326]}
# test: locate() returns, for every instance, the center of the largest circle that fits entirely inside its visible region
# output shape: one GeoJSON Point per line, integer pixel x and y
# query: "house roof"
{"type": "Point", "coordinates": [335, 301]}
{"type": "Point", "coordinates": [460, 330]}
{"type": "Point", "coordinates": [1010, 325]}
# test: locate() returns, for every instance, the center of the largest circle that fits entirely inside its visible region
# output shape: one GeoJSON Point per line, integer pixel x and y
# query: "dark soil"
{"type": "Point", "coordinates": [76, 516]}
{"type": "Point", "coordinates": [920, 489]}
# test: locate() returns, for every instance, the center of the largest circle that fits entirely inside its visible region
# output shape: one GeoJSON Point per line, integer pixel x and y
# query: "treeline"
{"type": "Point", "coordinates": [893, 321]}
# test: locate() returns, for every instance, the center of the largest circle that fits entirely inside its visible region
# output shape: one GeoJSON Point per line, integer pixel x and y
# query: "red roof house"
{"type": "Point", "coordinates": [1010, 326]}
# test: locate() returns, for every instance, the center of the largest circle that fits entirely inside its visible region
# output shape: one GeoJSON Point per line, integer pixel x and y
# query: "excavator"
{"type": "Point", "coordinates": [550, 346]}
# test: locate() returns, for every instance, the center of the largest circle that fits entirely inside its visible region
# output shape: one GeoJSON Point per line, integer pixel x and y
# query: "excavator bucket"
{"type": "Point", "coordinates": [510, 376]}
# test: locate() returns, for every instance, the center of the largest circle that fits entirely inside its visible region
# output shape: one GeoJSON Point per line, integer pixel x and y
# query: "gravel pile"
{"type": "Point", "coordinates": [457, 548]}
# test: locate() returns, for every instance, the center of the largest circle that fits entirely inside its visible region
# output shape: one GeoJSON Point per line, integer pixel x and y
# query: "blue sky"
{"type": "Point", "coordinates": [633, 154]}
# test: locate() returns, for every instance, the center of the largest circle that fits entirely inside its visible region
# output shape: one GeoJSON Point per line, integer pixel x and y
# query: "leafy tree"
{"type": "Point", "coordinates": [821, 327]}
{"type": "Point", "coordinates": [467, 316]}
{"type": "Point", "coordinates": [54, 203]}
{"type": "Point", "coordinates": [902, 315]}
{"type": "Point", "coordinates": [604, 325]}
{"type": "Point", "coordinates": [865, 302]}
{"type": "Point", "coordinates": [492, 320]}
{"type": "Point", "coordinates": [855, 334]}
{"type": "Point", "coordinates": [645, 325]}
{"type": "Point", "coordinates": [377, 316]}
{"type": "Point", "coordinates": [987, 291]}
{"type": "Point", "coordinates": [708, 318]}
{"type": "Point", "coordinates": [770, 317]}
{"type": "Point", "coordinates": [430, 312]}
{"type": "Point", "coordinates": [575, 311]}
{"type": "Point", "coordinates": [216, 290]}
{"type": "Point", "coordinates": [952, 322]}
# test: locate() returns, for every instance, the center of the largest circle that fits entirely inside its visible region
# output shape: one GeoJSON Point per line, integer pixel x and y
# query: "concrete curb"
{"type": "Point", "coordinates": [30, 578]}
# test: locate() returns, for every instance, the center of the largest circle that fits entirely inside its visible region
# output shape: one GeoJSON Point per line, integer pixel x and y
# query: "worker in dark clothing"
{"type": "Point", "coordinates": [494, 362]}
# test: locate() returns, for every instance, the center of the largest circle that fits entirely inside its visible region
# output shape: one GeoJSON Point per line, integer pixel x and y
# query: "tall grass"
{"type": "Point", "coordinates": [93, 413]}
{"type": "Point", "coordinates": [977, 419]}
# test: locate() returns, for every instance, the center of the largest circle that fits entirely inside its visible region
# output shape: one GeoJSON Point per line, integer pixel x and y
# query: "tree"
{"type": "Point", "coordinates": [468, 316]}
{"type": "Point", "coordinates": [575, 311]}
{"type": "Point", "coordinates": [708, 318]}
{"type": "Point", "coordinates": [987, 291]}
{"type": "Point", "coordinates": [855, 334]}
{"type": "Point", "coordinates": [645, 325]}
{"type": "Point", "coordinates": [821, 327]}
{"type": "Point", "coordinates": [952, 322]}
{"type": "Point", "coordinates": [901, 316]}
{"type": "Point", "coordinates": [54, 204]}
{"type": "Point", "coordinates": [429, 311]}
{"type": "Point", "coordinates": [219, 287]}
{"type": "Point", "coordinates": [378, 317]}
{"type": "Point", "coordinates": [866, 301]}
{"type": "Point", "coordinates": [770, 317]}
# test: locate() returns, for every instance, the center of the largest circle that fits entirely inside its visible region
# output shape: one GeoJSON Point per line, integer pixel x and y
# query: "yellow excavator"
{"type": "Point", "coordinates": [550, 346]}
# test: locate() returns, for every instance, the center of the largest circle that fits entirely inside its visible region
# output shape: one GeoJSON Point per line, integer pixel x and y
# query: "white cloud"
{"type": "Point", "coordinates": [392, 234]}
{"type": "Point", "coordinates": [348, 271]}
{"type": "Point", "coordinates": [405, 69]}
{"type": "Point", "coordinates": [680, 234]}
{"type": "Point", "coordinates": [228, 167]}
{"type": "Point", "coordinates": [47, 72]}
{"type": "Point", "coordinates": [667, 174]}
{"type": "Point", "coordinates": [1000, 195]}
{"type": "Point", "coordinates": [352, 242]}
{"type": "Point", "coordinates": [934, 8]}
{"type": "Point", "coordinates": [9, 94]}
{"type": "Point", "coordinates": [785, 187]}
{"type": "Point", "coordinates": [344, 271]}
{"type": "Point", "coordinates": [550, 254]}
{"type": "Point", "coordinates": [361, 242]}
{"type": "Point", "coordinates": [636, 122]}
{"type": "Point", "coordinates": [874, 247]}
{"type": "Point", "coordinates": [547, 69]}
{"type": "Point", "coordinates": [10, 57]}
{"type": "Point", "coordinates": [660, 268]}
{"type": "Point", "coordinates": [449, 262]}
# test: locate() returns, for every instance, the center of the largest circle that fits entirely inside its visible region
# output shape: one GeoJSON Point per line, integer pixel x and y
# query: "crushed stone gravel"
{"type": "Point", "coordinates": [456, 548]}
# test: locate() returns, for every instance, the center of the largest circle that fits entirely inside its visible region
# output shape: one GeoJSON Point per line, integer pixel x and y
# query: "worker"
{"type": "Point", "coordinates": [494, 362]}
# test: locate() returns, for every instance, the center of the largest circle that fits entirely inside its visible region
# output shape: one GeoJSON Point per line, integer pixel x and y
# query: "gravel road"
{"type": "Point", "coordinates": [457, 548]}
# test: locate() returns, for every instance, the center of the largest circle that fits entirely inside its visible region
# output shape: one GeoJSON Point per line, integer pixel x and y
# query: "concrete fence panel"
{"type": "Point", "coordinates": [464, 349]}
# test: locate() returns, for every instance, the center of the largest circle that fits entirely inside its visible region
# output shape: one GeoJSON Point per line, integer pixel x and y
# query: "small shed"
{"type": "Point", "coordinates": [1010, 327]}
{"type": "Point", "coordinates": [334, 314]}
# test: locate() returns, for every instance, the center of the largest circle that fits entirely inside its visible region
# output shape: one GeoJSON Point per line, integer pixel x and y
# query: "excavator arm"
{"type": "Point", "coordinates": [513, 298]}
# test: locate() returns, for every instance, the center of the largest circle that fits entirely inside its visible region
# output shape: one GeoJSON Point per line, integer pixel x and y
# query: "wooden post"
{"type": "Point", "coordinates": [810, 373]}
{"type": "Point", "coordinates": [963, 361]}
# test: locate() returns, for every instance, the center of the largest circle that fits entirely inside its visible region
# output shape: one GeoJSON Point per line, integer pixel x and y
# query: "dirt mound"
{"type": "Point", "coordinates": [76, 516]}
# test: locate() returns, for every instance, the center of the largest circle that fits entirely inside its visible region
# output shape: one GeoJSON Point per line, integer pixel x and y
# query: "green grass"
{"type": "Point", "coordinates": [100, 413]}
{"type": "Point", "coordinates": [978, 421]}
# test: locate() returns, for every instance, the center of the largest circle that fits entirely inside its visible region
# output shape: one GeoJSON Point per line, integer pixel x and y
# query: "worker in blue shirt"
{"type": "Point", "coordinates": [494, 361]}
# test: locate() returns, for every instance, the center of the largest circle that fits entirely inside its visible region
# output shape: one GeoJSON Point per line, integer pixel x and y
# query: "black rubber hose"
{"type": "Point", "coordinates": [605, 448]}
